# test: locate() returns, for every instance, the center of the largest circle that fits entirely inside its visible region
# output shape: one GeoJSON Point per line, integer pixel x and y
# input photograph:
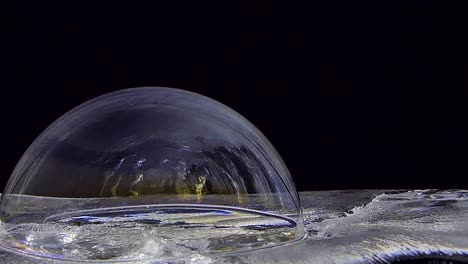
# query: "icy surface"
{"type": "Point", "coordinates": [164, 232]}
{"type": "Point", "coordinates": [362, 226]}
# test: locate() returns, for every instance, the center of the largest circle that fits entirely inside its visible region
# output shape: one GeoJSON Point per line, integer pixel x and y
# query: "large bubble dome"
{"type": "Point", "coordinates": [149, 174]}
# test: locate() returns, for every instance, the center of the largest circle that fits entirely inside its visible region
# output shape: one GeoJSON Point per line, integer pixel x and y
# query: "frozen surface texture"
{"type": "Point", "coordinates": [362, 226]}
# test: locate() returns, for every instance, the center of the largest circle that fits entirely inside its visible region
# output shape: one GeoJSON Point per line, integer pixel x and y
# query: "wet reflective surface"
{"type": "Point", "coordinates": [362, 226]}
{"type": "Point", "coordinates": [150, 232]}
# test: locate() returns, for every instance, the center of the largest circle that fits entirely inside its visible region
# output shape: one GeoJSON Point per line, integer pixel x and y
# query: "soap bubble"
{"type": "Point", "coordinates": [148, 173]}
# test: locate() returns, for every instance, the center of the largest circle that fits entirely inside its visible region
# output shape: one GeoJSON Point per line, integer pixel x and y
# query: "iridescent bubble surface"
{"type": "Point", "coordinates": [164, 166]}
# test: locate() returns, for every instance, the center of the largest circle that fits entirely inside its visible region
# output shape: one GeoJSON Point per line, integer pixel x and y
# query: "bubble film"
{"type": "Point", "coordinates": [164, 165]}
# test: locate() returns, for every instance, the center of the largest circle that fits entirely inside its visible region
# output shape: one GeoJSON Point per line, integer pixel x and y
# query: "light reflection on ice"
{"type": "Point", "coordinates": [343, 227]}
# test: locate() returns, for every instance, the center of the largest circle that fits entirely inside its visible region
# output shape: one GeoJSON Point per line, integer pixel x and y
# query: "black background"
{"type": "Point", "coordinates": [353, 95]}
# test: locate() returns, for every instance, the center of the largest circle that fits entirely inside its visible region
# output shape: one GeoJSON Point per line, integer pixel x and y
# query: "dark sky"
{"type": "Point", "coordinates": [352, 95]}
